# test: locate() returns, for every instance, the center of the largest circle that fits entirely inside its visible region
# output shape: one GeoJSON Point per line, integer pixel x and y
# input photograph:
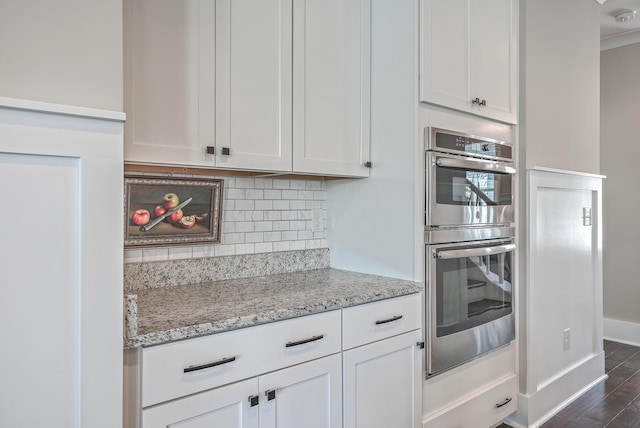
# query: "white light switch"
{"type": "Point", "coordinates": [586, 216]}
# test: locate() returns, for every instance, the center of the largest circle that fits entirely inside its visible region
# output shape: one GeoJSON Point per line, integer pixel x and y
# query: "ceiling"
{"type": "Point", "coordinates": [608, 25]}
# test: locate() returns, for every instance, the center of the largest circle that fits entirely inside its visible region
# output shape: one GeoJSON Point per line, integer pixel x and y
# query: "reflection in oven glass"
{"type": "Point", "coordinates": [472, 291]}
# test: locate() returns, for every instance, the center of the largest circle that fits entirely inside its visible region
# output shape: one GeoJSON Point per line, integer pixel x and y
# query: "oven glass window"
{"type": "Point", "coordinates": [475, 188]}
{"type": "Point", "coordinates": [472, 291]}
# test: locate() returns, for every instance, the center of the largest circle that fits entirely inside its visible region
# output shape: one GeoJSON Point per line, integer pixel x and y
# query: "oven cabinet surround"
{"type": "Point", "coordinates": [468, 56]}
{"type": "Point", "coordinates": [564, 281]}
{"type": "Point", "coordinates": [61, 291]}
{"type": "Point", "coordinates": [252, 85]}
{"type": "Point", "coordinates": [275, 382]}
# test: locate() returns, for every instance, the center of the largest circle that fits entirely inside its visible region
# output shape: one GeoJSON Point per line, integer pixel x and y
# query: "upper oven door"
{"type": "Point", "coordinates": [465, 191]}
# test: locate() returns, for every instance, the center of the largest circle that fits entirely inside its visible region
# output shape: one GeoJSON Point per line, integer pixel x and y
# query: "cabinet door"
{"type": "Point", "coordinates": [382, 383]}
{"type": "Point", "coordinates": [331, 86]}
{"type": "Point", "coordinates": [493, 58]}
{"type": "Point", "coordinates": [307, 395]}
{"type": "Point", "coordinates": [227, 407]}
{"type": "Point", "coordinates": [253, 84]}
{"type": "Point", "coordinates": [169, 94]}
{"type": "Point", "coordinates": [467, 53]}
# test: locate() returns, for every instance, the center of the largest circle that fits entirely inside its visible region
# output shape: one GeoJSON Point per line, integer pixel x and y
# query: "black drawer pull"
{"type": "Point", "coordinates": [392, 319]}
{"type": "Point", "coordinates": [504, 403]}
{"type": "Point", "coordinates": [254, 400]}
{"type": "Point", "coordinates": [209, 365]}
{"type": "Point", "coordinates": [302, 342]}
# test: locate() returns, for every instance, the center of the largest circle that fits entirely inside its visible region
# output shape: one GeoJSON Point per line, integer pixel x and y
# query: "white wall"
{"type": "Point", "coordinates": [559, 129]}
{"type": "Point", "coordinates": [620, 137]}
{"type": "Point", "coordinates": [64, 52]}
{"type": "Point", "coordinates": [372, 222]}
{"type": "Point", "coordinates": [560, 109]}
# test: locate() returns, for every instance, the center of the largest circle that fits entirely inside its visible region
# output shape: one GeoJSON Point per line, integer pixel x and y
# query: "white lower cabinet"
{"type": "Point", "coordinates": [307, 395]}
{"type": "Point", "coordinates": [227, 407]}
{"type": "Point", "coordinates": [382, 383]}
{"type": "Point", "coordinates": [287, 374]}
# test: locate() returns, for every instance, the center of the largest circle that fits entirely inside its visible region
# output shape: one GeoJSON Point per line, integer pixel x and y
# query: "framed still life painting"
{"type": "Point", "coordinates": [171, 211]}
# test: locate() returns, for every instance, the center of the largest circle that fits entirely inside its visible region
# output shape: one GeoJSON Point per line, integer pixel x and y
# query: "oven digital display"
{"type": "Point", "coordinates": [473, 146]}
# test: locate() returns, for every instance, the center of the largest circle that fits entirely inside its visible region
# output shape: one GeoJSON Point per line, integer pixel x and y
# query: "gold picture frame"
{"type": "Point", "coordinates": [167, 211]}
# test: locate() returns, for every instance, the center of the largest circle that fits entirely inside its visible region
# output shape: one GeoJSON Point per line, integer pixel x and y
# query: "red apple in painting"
{"type": "Point", "coordinates": [158, 211]}
{"type": "Point", "coordinates": [141, 217]}
{"type": "Point", "coordinates": [170, 200]}
{"type": "Point", "coordinates": [188, 221]}
{"type": "Point", "coordinates": [175, 217]}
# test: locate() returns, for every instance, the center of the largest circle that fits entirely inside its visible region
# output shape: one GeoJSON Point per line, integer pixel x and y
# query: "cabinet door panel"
{"type": "Point", "coordinates": [382, 383]}
{"type": "Point", "coordinates": [222, 407]}
{"type": "Point", "coordinates": [444, 51]}
{"type": "Point", "coordinates": [169, 58]}
{"type": "Point", "coordinates": [493, 78]}
{"type": "Point", "coordinates": [253, 86]}
{"type": "Point", "coordinates": [331, 86]}
{"type": "Point", "coordinates": [308, 395]}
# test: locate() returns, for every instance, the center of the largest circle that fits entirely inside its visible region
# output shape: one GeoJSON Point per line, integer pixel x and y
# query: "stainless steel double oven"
{"type": "Point", "coordinates": [469, 237]}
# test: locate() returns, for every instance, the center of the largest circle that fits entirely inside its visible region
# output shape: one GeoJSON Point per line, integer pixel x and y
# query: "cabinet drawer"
{"type": "Point", "coordinates": [181, 368]}
{"type": "Point", "coordinates": [484, 408]}
{"type": "Point", "coordinates": [374, 321]}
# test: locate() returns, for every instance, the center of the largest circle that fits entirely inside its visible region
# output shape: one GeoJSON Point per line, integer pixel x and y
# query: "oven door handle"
{"type": "Point", "coordinates": [472, 252]}
{"type": "Point", "coordinates": [475, 164]}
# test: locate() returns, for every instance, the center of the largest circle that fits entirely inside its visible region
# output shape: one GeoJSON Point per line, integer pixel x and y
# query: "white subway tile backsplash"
{"type": "Point", "coordinates": [263, 226]}
{"type": "Point", "coordinates": [225, 250]}
{"type": "Point", "coordinates": [289, 194]}
{"type": "Point", "coordinates": [273, 194]}
{"type": "Point", "coordinates": [254, 237]}
{"type": "Point", "coordinates": [289, 215]}
{"type": "Point", "coordinates": [245, 183]}
{"type": "Point", "coordinates": [245, 248]}
{"type": "Point", "coordinates": [264, 247]}
{"type": "Point", "coordinates": [298, 225]}
{"type": "Point", "coordinates": [264, 205]}
{"type": "Point", "coordinates": [290, 235]}
{"type": "Point", "coordinates": [233, 193]}
{"type": "Point", "coordinates": [281, 184]}
{"type": "Point", "coordinates": [297, 205]}
{"type": "Point", "coordinates": [245, 205]}
{"type": "Point", "coordinates": [280, 205]}
{"type": "Point", "coordinates": [259, 215]}
{"type": "Point", "coordinates": [245, 226]}
{"type": "Point", "coordinates": [155, 254]}
{"type": "Point", "coordinates": [254, 193]}
{"type": "Point", "coordinates": [178, 253]}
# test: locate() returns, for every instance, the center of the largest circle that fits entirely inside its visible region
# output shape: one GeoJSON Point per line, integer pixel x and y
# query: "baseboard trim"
{"type": "Point", "coordinates": [621, 331]}
{"type": "Point", "coordinates": [539, 407]}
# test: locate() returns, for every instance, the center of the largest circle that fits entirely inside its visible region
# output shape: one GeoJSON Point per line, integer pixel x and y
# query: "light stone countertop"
{"type": "Point", "coordinates": [167, 314]}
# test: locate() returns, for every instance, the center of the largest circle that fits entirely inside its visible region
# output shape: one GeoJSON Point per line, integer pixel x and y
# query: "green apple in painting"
{"type": "Point", "coordinates": [170, 200]}
{"type": "Point", "coordinates": [141, 217]}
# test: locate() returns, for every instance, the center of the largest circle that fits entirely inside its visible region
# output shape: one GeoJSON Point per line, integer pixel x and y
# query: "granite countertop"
{"type": "Point", "coordinates": [161, 315]}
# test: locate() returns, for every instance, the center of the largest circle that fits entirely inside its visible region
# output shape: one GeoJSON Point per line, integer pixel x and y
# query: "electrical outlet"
{"type": "Point", "coordinates": [566, 335]}
{"type": "Point", "coordinates": [317, 222]}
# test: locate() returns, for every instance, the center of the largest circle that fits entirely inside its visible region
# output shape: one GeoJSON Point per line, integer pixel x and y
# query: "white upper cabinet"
{"type": "Point", "coordinates": [253, 84]}
{"type": "Point", "coordinates": [331, 69]}
{"type": "Point", "coordinates": [468, 56]}
{"type": "Point", "coordinates": [269, 85]}
{"type": "Point", "coordinates": [169, 59]}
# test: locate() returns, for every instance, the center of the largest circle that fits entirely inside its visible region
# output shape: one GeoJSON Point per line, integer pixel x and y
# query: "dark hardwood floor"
{"type": "Point", "coordinates": [614, 403]}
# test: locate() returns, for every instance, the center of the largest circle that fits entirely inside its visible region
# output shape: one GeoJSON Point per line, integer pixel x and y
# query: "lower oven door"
{"type": "Point", "coordinates": [469, 301]}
